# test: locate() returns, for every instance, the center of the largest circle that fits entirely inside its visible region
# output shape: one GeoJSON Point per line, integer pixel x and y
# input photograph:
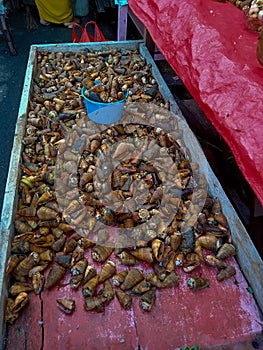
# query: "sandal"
{"type": "Point", "coordinates": [68, 25]}
{"type": "Point", "coordinates": [44, 23]}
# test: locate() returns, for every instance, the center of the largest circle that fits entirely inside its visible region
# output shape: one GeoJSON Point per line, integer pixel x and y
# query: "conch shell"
{"type": "Point", "coordinates": [101, 253]}
{"type": "Point", "coordinates": [133, 277]}
{"type": "Point", "coordinates": [56, 273]}
{"type": "Point", "coordinates": [147, 300]}
{"type": "Point", "coordinates": [89, 287]}
{"type": "Point", "coordinates": [226, 251]}
{"type": "Point", "coordinates": [124, 299]}
{"type": "Point", "coordinates": [144, 254]}
{"type": "Point", "coordinates": [158, 249]}
{"type": "Point", "coordinates": [118, 279]}
{"type": "Point", "coordinates": [196, 283]}
{"type": "Point", "coordinates": [95, 303]}
{"type": "Point", "coordinates": [141, 287]}
{"type": "Point", "coordinates": [66, 305]}
{"type": "Point", "coordinates": [107, 271]}
{"type": "Point", "coordinates": [228, 272]}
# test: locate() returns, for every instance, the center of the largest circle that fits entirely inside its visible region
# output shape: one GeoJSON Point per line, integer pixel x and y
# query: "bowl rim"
{"type": "Point", "coordinates": [102, 103]}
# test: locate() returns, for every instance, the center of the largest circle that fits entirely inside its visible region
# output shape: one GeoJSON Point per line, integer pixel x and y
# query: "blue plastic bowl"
{"type": "Point", "coordinates": [102, 112]}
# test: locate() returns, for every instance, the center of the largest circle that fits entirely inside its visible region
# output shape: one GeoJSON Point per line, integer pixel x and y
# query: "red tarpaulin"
{"type": "Point", "coordinates": [211, 50]}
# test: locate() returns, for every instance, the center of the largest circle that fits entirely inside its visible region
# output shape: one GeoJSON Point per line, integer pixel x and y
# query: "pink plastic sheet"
{"type": "Point", "coordinates": [209, 47]}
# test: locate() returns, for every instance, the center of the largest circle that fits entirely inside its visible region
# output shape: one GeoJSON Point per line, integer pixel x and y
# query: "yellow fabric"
{"type": "Point", "coordinates": [55, 11]}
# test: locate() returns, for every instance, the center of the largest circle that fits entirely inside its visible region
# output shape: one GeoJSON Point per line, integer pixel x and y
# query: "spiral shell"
{"type": "Point", "coordinates": [101, 253]}
{"type": "Point", "coordinates": [141, 287]}
{"type": "Point", "coordinates": [176, 240]}
{"type": "Point", "coordinates": [66, 305]}
{"type": "Point", "coordinates": [124, 299]}
{"type": "Point", "coordinates": [147, 300]}
{"type": "Point", "coordinates": [90, 272]}
{"type": "Point", "coordinates": [226, 273]}
{"type": "Point", "coordinates": [133, 277]}
{"type": "Point", "coordinates": [192, 260]}
{"type": "Point", "coordinates": [19, 287]}
{"type": "Point", "coordinates": [107, 271]}
{"type": "Point", "coordinates": [160, 271]}
{"type": "Point", "coordinates": [80, 267]}
{"type": "Point", "coordinates": [127, 259]}
{"type": "Point", "coordinates": [38, 281]}
{"type": "Point", "coordinates": [63, 260]}
{"type": "Point", "coordinates": [45, 213]}
{"type": "Point", "coordinates": [226, 251]}
{"type": "Point", "coordinates": [21, 301]}
{"type": "Point", "coordinates": [23, 268]}
{"type": "Point", "coordinates": [144, 254]}
{"type": "Point", "coordinates": [213, 261]}
{"type": "Point", "coordinates": [107, 292]}
{"type": "Point", "coordinates": [118, 279]}
{"type": "Point", "coordinates": [12, 262]}
{"type": "Point", "coordinates": [96, 303]}
{"type": "Point", "coordinates": [158, 249]}
{"type": "Point", "coordinates": [56, 273]}
{"type": "Point", "coordinates": [196, 283]}
{"type": "Point", "coordinates": [89, 287]}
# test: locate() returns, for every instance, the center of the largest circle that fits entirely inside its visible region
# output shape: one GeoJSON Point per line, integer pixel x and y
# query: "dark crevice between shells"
{"type": "Point", "coordinates": [41, 322]}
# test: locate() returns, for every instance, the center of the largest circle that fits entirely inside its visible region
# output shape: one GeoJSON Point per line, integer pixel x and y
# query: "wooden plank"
{"type": "Point", "coordinates": [218, 316]}
{"type": "Point", "coordinates": [73, 47]}
{"type": "Point", "coordinates": [112, 329]}
{"type": "Point", "coordinates": [26, 333]}
{"type": "Point", "coordinates": [10, 196]}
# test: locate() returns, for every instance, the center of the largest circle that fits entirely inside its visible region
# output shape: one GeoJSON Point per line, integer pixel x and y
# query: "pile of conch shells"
{"type": "Point", "coordinates": [242, 4]}
{"type": "Point", "coordinates": [254, 15]}
{"type": "Point", "coordinates": [102, 235]}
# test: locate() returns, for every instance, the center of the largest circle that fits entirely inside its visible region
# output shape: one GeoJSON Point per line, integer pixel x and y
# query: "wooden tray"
{"type": "Point", "coordinates": [225, 316]}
